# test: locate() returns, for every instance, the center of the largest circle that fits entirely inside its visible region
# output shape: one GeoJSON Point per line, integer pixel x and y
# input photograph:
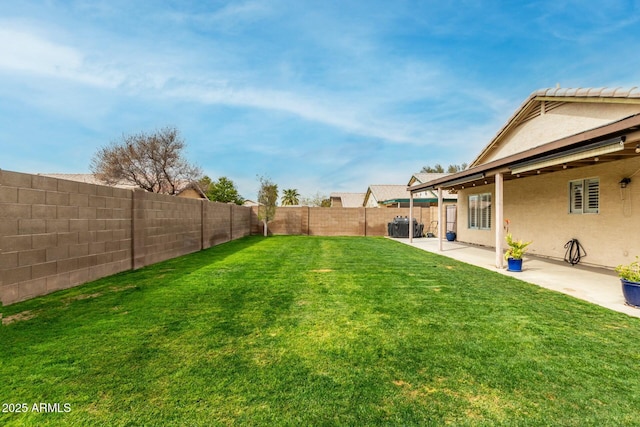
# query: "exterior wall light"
{"type": "Point", "coordinates": [624, 182]}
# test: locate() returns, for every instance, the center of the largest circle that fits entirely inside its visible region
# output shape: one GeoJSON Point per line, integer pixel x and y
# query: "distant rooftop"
{"type": "Point", "coordinates": [350, 200]}
{"type": "Point", "coordinates": [87, 178]}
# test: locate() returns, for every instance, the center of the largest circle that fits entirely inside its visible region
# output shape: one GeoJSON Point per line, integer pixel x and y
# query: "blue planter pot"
{"type": "Point", "coordinates": [451, 236]}
{"type": "Point", "coordinates": [631, 292]}
{"type": "Point", "coordinates": [514, 264]}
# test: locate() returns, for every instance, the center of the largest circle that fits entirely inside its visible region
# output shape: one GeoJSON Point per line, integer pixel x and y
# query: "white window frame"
{"type": "Point", "coordinates": [584, 196]}
{"type": "Point", "coordinates": [479, 217]}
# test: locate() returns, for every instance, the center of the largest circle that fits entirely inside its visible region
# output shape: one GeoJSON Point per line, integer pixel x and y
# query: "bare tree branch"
{"type": "Point", "coordinates": [153, 162]}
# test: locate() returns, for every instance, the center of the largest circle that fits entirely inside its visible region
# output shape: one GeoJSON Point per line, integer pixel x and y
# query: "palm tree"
{"type": "Point", "coordinates": [290, 197]}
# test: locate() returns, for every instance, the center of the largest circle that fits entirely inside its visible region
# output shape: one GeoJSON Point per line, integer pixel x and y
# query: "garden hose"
{"type": "Point", "coordinates": [574, 252]}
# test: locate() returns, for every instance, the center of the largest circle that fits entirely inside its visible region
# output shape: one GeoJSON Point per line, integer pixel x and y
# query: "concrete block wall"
{"type": "Point", "coordinates": [165, 227]}
{"type": "Point", "coordinates": [218, 223]}
{"type": "Point", "coordinates": [335, 221]}
{"type": "Point", "coordinates": [55, 234]}
{"type": "Point", "coordinates": [240, 221]}
{"type": "Point", "coordinates": [378, 218]}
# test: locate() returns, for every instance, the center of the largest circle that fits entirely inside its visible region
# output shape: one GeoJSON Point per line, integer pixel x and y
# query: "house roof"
{"type": "Point", "coordinates": [90, 178]}
{"type": "Point", "coordinates": [553, 98]}
{"type": "Point", "coordinates": [387, 192]}
{"type": "Point", "coordinates": [195, 187]}
{"type": "Point", "coordinates": [551, 156]}
{"type": "Point", "coordinates": [425, 177]}
{"type": "Point", "coordinates": [87, 178]}
{"type": "Point", "coordinates": [350, 200]}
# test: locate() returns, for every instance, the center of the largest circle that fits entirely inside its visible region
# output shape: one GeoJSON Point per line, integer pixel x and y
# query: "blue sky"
{"type": "Point", "coordinates": [321, 96]}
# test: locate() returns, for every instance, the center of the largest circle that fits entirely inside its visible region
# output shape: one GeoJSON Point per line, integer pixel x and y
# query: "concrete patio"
{"type": "Point", "coordinates": [595, 285]}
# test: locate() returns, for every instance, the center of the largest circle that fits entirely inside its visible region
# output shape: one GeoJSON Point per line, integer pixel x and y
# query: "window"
{"type": "Point", "coordinates": [584, 196]}
{"type": "Point", "coordinates": [480, 211]}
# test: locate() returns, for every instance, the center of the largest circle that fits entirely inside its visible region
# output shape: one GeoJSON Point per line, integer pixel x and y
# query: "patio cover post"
{"type": "Point", "coordinates": [440, 216]}
{"type": "Point", "coordinates": [410, 216]}
{"type": "Point", "coordinates": [499, 219]}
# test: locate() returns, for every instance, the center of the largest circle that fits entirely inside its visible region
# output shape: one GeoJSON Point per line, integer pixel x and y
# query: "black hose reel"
{"type": "Point", "coordinates": [574, 252]}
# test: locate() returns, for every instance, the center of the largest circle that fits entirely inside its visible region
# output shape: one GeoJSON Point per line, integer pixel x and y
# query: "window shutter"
{"type": "Point", "coordinates": [584, 196]}
{"type": "Point", "coordinates": [592, 204]}
{"type": "Point", "coordinates": [480, 211]}
{"type": "Point", "coordinates": [576, 198]}
{"type": "Point", "coordinates": [473, 211]}
{"type": "Point", "coordinates": [485, 221]}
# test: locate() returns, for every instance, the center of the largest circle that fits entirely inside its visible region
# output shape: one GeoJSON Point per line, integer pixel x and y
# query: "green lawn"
{"type": "Point", "coordinates": [317, 331]}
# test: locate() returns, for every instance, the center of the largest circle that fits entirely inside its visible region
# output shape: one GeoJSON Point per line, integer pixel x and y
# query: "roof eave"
{"type": "Point", "coordinates": [560, 95]}
{"type": "Point", "coordinates": [631, 123]}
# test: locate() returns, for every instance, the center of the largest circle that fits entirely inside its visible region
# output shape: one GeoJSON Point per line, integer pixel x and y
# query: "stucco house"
{"type": "Point", "coordinates": [565, 165]}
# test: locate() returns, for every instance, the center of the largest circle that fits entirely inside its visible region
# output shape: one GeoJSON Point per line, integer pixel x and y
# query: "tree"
{"type": "Point", "coordinates": [456, 168]}
{"type": "Point", "coordinates": [317, 200]}
{"type": "Point", "coordinates": [223, 190]}
{"type": "Point", "coordinates": [437, 168]}
{"type": "Point", "coordinates": [267, 201]}
{"type": "Point", "coordinates": [154, 162]}
{"type": "Point", "coordinates": [290, 197]}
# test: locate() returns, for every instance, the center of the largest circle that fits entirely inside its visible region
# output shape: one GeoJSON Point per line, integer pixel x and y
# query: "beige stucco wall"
{"type": "Point", "coordinates": [538, 208]}
{"type": "Point", "coordinates": [190, 193]}
{"type": "Point", "coordinates": [371, 202]}
{"type": "Point", "coordinates": [566, 120]}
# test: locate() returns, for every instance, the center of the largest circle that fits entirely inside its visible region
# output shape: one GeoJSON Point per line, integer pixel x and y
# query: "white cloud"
{"type": "Point", "coordinates": [23, 51]}
{"type": "Point", "coordinates": [227, 17]}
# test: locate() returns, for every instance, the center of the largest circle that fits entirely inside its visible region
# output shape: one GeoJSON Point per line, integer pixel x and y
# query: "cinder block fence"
{"type": "Point", "coordinates": [336, 221]}
{"type": "Point", "coordinates": [56, 234]}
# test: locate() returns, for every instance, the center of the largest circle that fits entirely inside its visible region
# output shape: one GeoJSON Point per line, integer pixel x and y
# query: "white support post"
{"type": "Point", "coordinates": [499, 197]}
{"type": "Point", "coordinates": [410, 216]}
{"type": "Point", "coordinates": [440, 216]}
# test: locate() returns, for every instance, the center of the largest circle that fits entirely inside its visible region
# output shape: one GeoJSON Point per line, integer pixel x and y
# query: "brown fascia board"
{"type": "Point", "coordinates": [573, 141]}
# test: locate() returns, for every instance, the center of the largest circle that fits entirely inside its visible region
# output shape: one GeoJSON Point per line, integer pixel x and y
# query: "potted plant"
{"type": "Point", "coordinates": [630, 278]}
{"type": "Point", "coordinates": [517, 249]}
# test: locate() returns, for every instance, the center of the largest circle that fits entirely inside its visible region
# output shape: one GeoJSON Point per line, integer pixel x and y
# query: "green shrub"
{"type": "Point", "coordinates": [630, 272]}
{"type": "Point", "coordinates": [517, 248]}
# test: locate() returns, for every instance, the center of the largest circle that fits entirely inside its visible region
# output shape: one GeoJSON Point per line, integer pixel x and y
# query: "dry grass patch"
{"type": "Point", "coordinates": [25, 315]}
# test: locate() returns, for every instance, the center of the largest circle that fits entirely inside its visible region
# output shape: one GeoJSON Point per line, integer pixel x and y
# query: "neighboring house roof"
{"type": "Point", "coordinates": [248, 202]}
{"type": "Point", "coordinates": [381, 193]}
{"type": "Point", "coordinates": [88, 178]}
{"type": "Point", "coordinates": [193, 186]}
{"type": "Point", "coordinates": [392, 194]}
{"type": "Point", "coordinates": [349, 200]}
{"type": "Point", "coordinates": [615, 137]}
{"type": "Point", "coordinates": [419, 178]}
